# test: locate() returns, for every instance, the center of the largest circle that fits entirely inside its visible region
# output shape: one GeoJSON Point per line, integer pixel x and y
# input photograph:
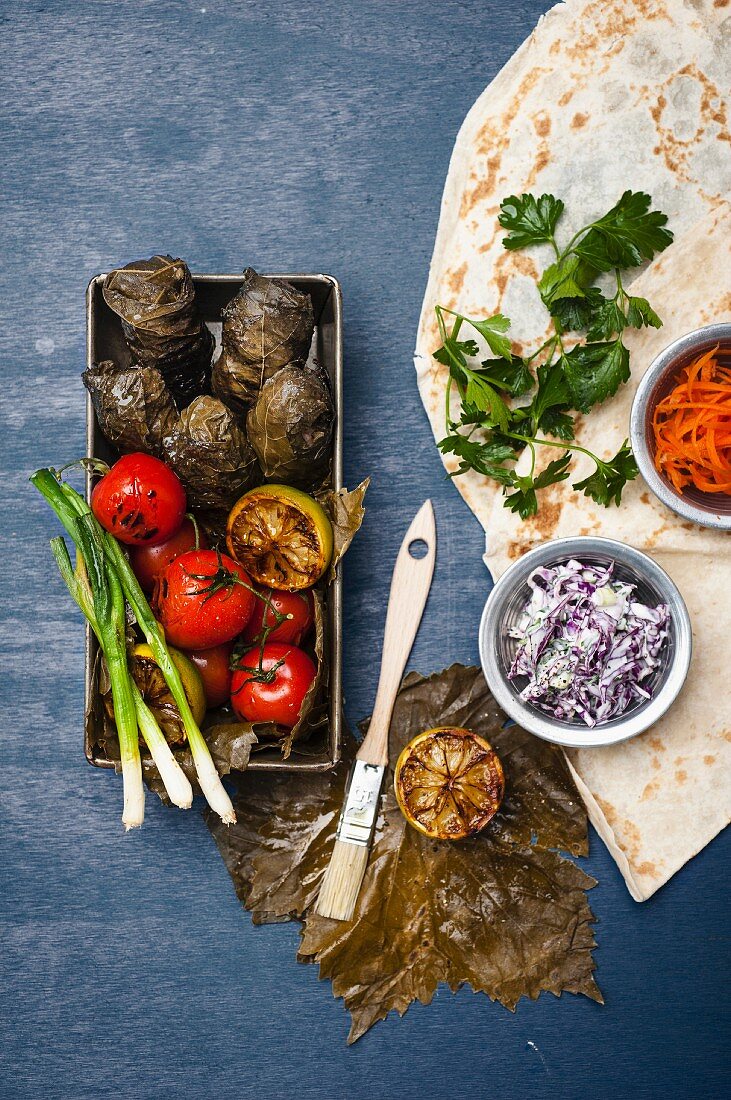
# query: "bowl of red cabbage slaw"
{"type": "Point", "coordinates": [585, 641]}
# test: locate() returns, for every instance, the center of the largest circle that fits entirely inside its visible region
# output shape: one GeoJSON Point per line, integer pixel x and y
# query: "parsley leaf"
{"type": "Point", "coordinates": [595, 372]}
{"type": "Point", "coordinates": [567, 278]}
{"type": "Point", "coordinates": [553, 392]}
{"type": "Point", "coordinates": [608, 321]}
{"type": "Point", "coordinates": [493, 329]}
{"type": "Point", "coordinates": [639, 313]}
{"type": "Point", "coordinates": [524, 501]}
{"type": "Point", "coordinates": [483, 457]}
{"type": "Point", "coordinates": [626, 236]}
{"type": "Point", "coordinates": [513, 375]}
{"type": "Point", "coordinates": [609, 478]}
{"type": "Point", "coordinates": [530, 220]}
{"type": "Point", "coordinates": [558, 423]}
{"type": "Point", "coordinates": [573, 314]}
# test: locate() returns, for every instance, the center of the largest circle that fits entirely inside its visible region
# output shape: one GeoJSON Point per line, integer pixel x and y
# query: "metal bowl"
{"type": "Point", "coordinates": [507, 601]}
{"type": "Point", "coordinates": [707, 509]}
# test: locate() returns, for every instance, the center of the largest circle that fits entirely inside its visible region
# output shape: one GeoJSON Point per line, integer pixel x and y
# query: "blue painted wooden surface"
{"type": "Point", "coordinates": [308, 137]}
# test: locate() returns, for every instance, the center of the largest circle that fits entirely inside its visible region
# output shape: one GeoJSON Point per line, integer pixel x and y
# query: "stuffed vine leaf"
{"type": "Point", "coordinates": [155, 300]}
{"type": "Point", "coordinates": [133, 405]}
{"type": "Point", "coordinates": [211, 455]}
{"type": "Point", "coordinates": [268, 324]}
{"type": "Point", "coordinates": [290, 426]}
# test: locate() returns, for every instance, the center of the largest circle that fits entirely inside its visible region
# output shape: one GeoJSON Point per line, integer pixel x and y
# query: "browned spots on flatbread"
{"type": "Point", "coordinates": [566, 97]}
{"type": "Point", "coordinates": [542, 123]}
{"type": "Point", "coordinates": [515, 549]}
{"type": "Point", "coordinates": [656, 744]}
{"type": "Point", "coordinates": [681, 776]}
{"type": "Point", "coordinates": [492, 141]}
{"type": "Point", "coordinates": [650, 790]}
{"type": "Point", "coordinates": [655, 764]}
{"type": "Point", "coordinates": [549, 513]}
{"type": "Point", "coordinates": [645, 497]}
{"type": "Point", "coordinates": [483, 189]}
{"type": "Point", "coordinates": [630, 837]}
{"type": "Point", "coordinates": [608, 23]}
{"type": "Point", "coordinates": [650, 9]}
{"type": "Point", "coordinates": [721, 3]}
{"type": "Point", "coordinates": [712, 109]}
{"type": "Point", "coordinates": [709, 760]}
{"type": "Point", "coordinates": [579, 120]}
{"type": "Point", "coordinates": [647, 868]}
{"type": "Point", "coordinates": [509, 264]}
{"type": "Point", "coordinates": [455, 279]}
{"type": "Point", "coordinates": [543, 157]}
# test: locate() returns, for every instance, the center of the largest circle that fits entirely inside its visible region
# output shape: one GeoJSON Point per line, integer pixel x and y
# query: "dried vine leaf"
{"type": "Point", "coordinates": [211, 455]}
{"type": "Point", "coordinates": [346, 512]}
{"type": "Point", "coordinates": [504, 911]}
{"type": "Point", "coordinates": [134, 407]}
{"type": "Point", "coordinates": [266, 325]}
{"type": "Point", "coordinates": [155, 300]}
{"type": "Point", "coordinates": [291, 424]}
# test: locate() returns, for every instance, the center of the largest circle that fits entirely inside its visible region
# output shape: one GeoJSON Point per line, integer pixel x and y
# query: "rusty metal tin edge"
{"type": "Point", "coordinates": [336, 702]}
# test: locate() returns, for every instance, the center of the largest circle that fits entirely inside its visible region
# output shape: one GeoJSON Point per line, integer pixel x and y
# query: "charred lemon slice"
{"type": "Point", "coordinates": [449, 783]}
{"type": "Point", "coordinates": [281, 536]}
{"type": "Point", "coordinates": [157, 695]}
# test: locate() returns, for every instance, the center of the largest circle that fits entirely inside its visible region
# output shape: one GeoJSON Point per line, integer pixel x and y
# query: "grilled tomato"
{"type": "Point", "coordinates": [140, 500]}
{"type": "Point", "coordinates": [270, 684]}
{"type": "Point", "coordinates": [204, 600]}
{"type": "Point", "coordinates": [449, 783]}
{"type": "Point", "coordinates": [281, 536]}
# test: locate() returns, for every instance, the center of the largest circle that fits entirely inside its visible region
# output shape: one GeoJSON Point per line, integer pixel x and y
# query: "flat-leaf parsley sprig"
{"type": "Point", "coordinates": [493, 428]}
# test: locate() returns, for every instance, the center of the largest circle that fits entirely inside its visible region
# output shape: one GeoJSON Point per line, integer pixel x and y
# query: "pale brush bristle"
{"type": "Point", "coordinates": [341, 884]}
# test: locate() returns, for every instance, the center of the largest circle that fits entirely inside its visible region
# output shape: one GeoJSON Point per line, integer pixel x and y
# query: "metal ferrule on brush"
{"type": "Point", "coordinates": [358, 819]}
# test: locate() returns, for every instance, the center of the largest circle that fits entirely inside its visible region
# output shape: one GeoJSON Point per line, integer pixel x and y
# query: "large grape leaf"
{"type": "Point", "coordinates": [504, 912]}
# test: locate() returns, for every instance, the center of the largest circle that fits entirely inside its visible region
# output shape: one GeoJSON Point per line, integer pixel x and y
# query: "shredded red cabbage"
{"type": "Point", "coordinates": [588, 649]}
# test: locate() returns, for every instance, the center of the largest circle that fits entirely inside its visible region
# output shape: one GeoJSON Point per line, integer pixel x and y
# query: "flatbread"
{"type": "Point", "coordinates": [603, 97]}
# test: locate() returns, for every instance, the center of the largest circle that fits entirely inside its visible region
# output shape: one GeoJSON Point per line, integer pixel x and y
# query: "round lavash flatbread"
{"type": "Point", "coordinates": [603, 97]}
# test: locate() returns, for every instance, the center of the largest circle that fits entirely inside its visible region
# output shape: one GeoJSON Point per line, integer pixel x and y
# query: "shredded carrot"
{"type": "Point", "coordinates": [692, 427]}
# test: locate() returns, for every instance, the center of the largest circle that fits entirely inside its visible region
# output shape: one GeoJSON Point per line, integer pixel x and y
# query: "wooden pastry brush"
{"type": "Point", "coordinates": [410, 584]}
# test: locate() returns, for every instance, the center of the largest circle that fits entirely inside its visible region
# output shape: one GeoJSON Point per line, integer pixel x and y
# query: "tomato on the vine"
{"type": "Point", "coordinates": [140, 500]}
{"type": "Point", "coordinates": [204, 599]}
{"type": "Point", "coordinates": [150, 562]}
{"type": "Point", "coordinates": [214, 666]}
{"type": "Point", "coordinates": [270, 683]}
{"type": "Point", "coordinates": [288, 616]}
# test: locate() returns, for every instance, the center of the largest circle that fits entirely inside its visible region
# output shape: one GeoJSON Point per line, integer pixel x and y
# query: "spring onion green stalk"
{"type": "Point", "coordinates": [108, 604]}
{"type": "Point", "coordinates": [209, 779]}
{"type": "Point", "coordinates": [176, 782]}
{"type": "Point", "coordinates": [68, 505]}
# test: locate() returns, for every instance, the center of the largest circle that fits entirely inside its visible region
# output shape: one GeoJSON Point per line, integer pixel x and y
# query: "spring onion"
{"type": "Point", "coordinates": [68, 506]}
{"type": "Point", "coordinates": [176, 782]}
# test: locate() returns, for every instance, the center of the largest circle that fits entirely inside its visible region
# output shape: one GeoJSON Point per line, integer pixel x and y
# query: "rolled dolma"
{"type": "Point", "coordinates": [133, 405]}
{"type": "Point", "coordinates": [211, 455]}
{"type": "Point", "coordinates": [290, 427]}
{"type": "Point", "coordinates": [268, 324]}
{"type": "Point", "coordinates": [155, 300]}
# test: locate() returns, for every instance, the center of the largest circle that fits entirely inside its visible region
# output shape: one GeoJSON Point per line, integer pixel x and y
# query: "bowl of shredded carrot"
{"type": "Point", "coordinates": [680, 426]}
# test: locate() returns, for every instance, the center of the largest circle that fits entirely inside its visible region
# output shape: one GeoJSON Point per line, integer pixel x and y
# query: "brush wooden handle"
{"type": "Point", "coordinates": [410, 586]}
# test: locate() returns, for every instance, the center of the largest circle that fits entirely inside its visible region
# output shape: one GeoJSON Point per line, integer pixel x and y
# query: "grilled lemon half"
{"type": "Point", "coordinates": [281, 536]}
{"type": "Point", "coordinates": [449, 783]}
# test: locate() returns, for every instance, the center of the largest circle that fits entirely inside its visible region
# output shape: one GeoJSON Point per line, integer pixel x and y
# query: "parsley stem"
{"type": "Point", "coordinates": [565, 446]}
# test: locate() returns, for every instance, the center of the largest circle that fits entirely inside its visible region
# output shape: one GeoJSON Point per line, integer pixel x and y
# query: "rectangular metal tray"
{"type": "Point", "coordinates": [105, 340]}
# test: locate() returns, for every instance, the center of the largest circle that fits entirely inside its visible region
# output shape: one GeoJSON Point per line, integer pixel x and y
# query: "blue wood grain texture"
{"type": "Point", "coordinates": [287, 136]}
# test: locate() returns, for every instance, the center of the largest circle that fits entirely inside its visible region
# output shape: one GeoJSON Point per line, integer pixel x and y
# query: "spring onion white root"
{"type": "Point", "coordinates": [176, 782]}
